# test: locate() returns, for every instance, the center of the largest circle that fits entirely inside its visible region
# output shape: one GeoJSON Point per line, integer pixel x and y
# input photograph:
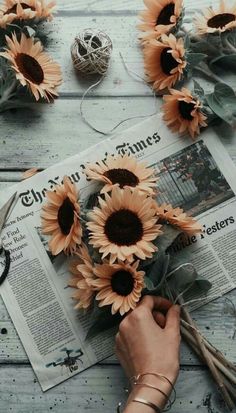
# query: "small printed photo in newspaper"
{"type": "Point", "coordinates": [192, 180]}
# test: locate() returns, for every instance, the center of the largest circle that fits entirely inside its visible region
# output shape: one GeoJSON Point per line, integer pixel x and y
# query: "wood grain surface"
{"type": "Point", "coordinates": [51, 133]}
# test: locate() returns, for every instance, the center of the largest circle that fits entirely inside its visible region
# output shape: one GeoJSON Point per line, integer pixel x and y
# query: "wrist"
{"type": "Point", "coordinates": [153, 387]}
{"type": "Point", "coordinates": [156, 389]}
{"type": "Point", "coordinates": [149, 394]}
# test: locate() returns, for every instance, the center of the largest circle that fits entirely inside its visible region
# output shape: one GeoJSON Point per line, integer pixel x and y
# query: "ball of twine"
{"type": "Point", "coordinates": [91, 52]}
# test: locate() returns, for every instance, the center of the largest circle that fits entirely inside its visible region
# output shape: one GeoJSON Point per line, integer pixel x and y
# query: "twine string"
{"type": "Point", "coordinates": [91, 52]}
{"type": "Point", "coordinates": [196, 300]}
{"type": "Point", "coordinates": [180, 295]}
{"type": "Point", "coordinates": [97, 83]}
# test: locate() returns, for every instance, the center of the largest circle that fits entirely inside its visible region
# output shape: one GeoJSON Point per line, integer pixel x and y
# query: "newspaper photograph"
{"type": "Point", "coordinates": [196, 176]}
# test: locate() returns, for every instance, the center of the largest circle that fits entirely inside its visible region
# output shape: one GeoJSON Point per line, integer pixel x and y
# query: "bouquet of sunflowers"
{"type": "Point", "coordinates": [27, 73]}
{"type": "Point", "coordinates": [121, 245]}
{"type": "Point", "coordinates": [176, 51]}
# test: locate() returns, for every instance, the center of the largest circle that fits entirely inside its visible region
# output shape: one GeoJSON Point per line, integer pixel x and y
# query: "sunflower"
{"type": "Point", "coordinates": [213, 21]}
{"type": "Point", "coordinates": [120, 285]}
{"type": "Point", "coordinates": [123, 171]}
{"type": "Point", "coordinates": [33, 67]}
{"type": "Point", "coordinates": [178, 218]}
{"type": "Point", "coordinates": [82, 270]}
{"type": "Point", "coordinates": [164, 61]}
{"type": "Point", "coordinates": [183, 112]}
{"type": "Point", "coordinates": [160, 18]}
{"type": "Point", "coordinates": [124, 225]}
{"type": "Point", "coordinates": [29, 173]}
{"type": "Point", "coordinates": [12, 10]}
{"type": "Point", "coordinates": [60, 218]}
{"type": "Point", "coordinates": [46, 10]}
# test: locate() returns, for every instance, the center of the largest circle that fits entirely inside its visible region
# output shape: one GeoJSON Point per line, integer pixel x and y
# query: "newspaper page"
{"type": "Point", "coordinates": [197, 176]}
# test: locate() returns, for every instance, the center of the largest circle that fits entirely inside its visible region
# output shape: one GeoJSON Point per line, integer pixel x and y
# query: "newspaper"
{"type": "Point", "coordinates": [198, 176]}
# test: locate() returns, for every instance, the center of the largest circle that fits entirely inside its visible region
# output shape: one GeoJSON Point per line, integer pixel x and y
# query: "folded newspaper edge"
{"type": "Point", "coordinates": [199, 175]}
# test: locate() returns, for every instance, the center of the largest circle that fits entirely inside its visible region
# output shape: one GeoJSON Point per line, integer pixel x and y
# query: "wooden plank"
{"type": "Point", "coordinates": [55, 132]}
{"type": "Point", "coordinates": [98, 389]}
{"type": "Point", "coordinates": [216, 320]}
{"type": "Point", "coordinates": [94, 6]}
{"type": "Point", "coordinates": [123, 31]}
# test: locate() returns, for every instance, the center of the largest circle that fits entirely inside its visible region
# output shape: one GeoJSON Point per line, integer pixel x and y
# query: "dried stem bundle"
{"type": "Point", "coordinates": [222, 370]}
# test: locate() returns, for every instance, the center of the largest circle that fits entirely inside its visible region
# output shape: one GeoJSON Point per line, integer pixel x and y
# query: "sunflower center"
{"type": "Point", "coordinates": [186, 109]}
{"type": "Point", "coordinates": [95, 44]}
{"type": "Point", "coordinates": [124, 227]}
{"type": "Point", "coordinates": [122, 282]}
{"type": "Point", "coordinates": [65, 216]}
{"type": "Point", "coordinates": [122, 177]}
{"type": "Point", "coordinates": [24, 6]}
{"type": "Point", "coordinates": [30, 68]}
{"type": "Point", "coordinates": [165, 14]}
{"type": "Point", "coordinates": [221, 20]}
{"type": "Point", "coordinates": [168, 63]}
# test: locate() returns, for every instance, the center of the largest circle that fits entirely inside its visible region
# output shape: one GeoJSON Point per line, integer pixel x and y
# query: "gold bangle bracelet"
{"type": "Point", "coordinates": [135, 379]}
{"type": "Point", "coordinates": [150, 386]}
{"type": "Point", "coordinates": [118, 408]}
{"type": "Point", "coordinates": [147, 403]}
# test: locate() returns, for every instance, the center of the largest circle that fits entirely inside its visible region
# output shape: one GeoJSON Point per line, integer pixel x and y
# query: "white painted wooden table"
{"type": "Point", "coordinates": [50, 134]}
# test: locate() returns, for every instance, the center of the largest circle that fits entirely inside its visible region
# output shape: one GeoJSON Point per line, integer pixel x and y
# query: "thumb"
{"type": "Point", "coordinates": [173, 318]}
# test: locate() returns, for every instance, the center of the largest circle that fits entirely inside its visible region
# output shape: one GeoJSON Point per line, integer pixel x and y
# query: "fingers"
{"type": "Point", "coordinates": [159, 318]}
{"type": "Point", "coordinates": [155, 303]}
{"type": "Point", "coordinates": [173, 318]}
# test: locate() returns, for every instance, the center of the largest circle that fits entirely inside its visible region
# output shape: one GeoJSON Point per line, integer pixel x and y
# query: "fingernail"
{"type": "Point", "coordinates": [177, 307]}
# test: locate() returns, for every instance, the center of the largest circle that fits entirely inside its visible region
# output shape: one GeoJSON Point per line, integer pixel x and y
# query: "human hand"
{"type": "Point", "coordinates": [148, 341]}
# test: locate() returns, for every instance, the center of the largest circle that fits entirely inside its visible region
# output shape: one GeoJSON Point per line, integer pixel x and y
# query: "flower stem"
{"type": "Point", "coordinates": [8, 94]}
{"type": "Point", "coordinates": [208, 359]}
{"type": "Point", "coordinates": [229, 47]}
{"type": "Point", "coordinates": [189, 338]}
{"type": "Point", "coordinates": [219, 364]}
{"type": "Point", "coordinates": [214, 351]}
{"type": "Point", "coordinates": [208, 74]}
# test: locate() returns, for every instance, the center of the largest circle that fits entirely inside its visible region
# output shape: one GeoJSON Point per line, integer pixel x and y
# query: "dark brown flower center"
{"type": "Point", "coordinates": [95, 44]}
{"type": "Point", "coordinates": [168, 63]}
{"type": "Point", "coordinates": [124, 227]}
{"type": "Point", "coordinates": [122, 282]}
{"type": "Point", "coordinates": [30, 68]}
{"type": "Point", "coordinates": [221, 20]}
{"type": "Point", "coordinates": [186, 109]}
{"type": "Point", "coordinates": [24, 6]}
{"type": "Point", "coordinates": [165, 14]}
{"type": "Point", "coordinates": [122, 177]}
{"type": "Point", "coordinates": [65, 216]}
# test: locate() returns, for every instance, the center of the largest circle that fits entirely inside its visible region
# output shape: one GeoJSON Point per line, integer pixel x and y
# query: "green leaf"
{"type": "Point", "coordinates": [230, 37]}
{"type": "Point", "coordinates": [179, 258]}
{"type": "Point", "coordinates": [148, 284]}
{"type": "Point", "coordinates": [203, 285]}
{"type": "Point", "coordinates": [186, 42]}
{"type": "Point", "coordinates": [30, 31]}
{"type": "Point", "coordinates": [149, 261]}
{"type": "Point", "coordinates": [223, 103]}
{"type": "Point", "coordinates": [103, 320]}
{"type": "Point", "coordinates": [92, 200]}
{"type": "Point", "coordinates": [222, 90]}
{"type": "Point", "coordinates": [157, 273]}
{"type": "Point", "coordinates": [194, 59]}
{"type": "Point", "coordinates": [164, 241]}
{"type": "Point", "coordinates": [208, 48]}
{"type": "Point", "coordinates": [181, 278]}
{"type": "Point", "coordinates": [198, 89]}
{"type": "Point", "coordinates": [226, 62]}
